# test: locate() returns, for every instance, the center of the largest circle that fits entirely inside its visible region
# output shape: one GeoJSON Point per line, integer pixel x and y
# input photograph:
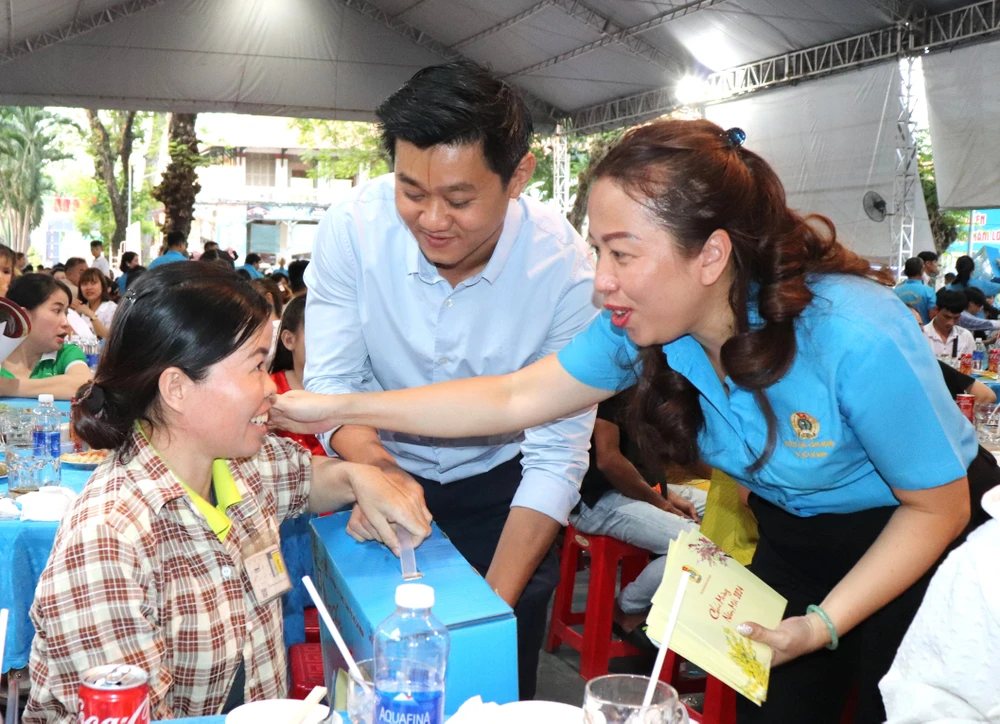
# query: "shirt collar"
{"type": "Point", "coordinates": [51, 356]}
{"type": "Point", "coordinates": [511, 229]}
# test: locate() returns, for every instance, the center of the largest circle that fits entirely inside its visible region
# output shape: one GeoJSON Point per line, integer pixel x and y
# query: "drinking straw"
{"type": "Point", "coordinates": [308, 705]}
{"type": "Point", "coordinates": [665, 639]}
{"type": "Point", "coordinates": [332, 628]}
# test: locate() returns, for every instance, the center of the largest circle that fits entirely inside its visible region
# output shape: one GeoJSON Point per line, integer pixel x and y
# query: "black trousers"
{"type": "Point", "coordinates": [803, 559]}
{"type": "Point", "coordinates": [472, 513]}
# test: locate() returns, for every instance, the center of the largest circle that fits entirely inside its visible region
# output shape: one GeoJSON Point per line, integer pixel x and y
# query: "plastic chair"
{"type": "Point", "coordinates": [311, 622]}
{"type": "Point", "coordinates": [305, 661]}
{"type": "Point", "coordinates": [595, 644]}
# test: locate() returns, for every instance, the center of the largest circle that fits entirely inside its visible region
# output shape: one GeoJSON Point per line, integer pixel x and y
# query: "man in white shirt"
{"type": "Point", "coordinates": [100, 261]}
{"type": "Point", "coordinates": [444, 270]}
{"type": "Point", "coordinates": [946, 337]}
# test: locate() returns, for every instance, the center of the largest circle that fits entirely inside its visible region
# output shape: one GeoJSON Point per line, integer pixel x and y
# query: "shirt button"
{"type": "Point", "coordinates": [249, 627]}
{"type": "Point", "coordinates": [442, 360]}
{"type": "Point", "coordinates": [448, 302]}
{"type": "Point", "coordinates": [227, 572]}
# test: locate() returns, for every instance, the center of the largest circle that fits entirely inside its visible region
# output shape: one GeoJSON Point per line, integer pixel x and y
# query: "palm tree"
{"type": "Point", "coordinates": [28, 143]}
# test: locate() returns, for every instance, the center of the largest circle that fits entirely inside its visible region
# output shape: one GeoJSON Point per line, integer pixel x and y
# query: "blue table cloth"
{"type": "Point", "coordinates": [25, 548]}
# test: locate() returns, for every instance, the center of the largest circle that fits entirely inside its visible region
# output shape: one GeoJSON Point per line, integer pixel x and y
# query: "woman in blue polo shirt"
{"type": "Point", "coordinates": [763, 347]}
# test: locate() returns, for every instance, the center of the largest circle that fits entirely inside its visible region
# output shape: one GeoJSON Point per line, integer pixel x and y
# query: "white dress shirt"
{"type": "Point", "coordinates": [101, 263]}
{"type": "Point", "coordinates": [966, 342]}
{"type": "Point", "coordinates": [379, 316]}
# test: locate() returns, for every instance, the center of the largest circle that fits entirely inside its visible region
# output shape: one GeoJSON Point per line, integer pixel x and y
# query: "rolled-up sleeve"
{"type": "Point", "coordinates": [555, 456]}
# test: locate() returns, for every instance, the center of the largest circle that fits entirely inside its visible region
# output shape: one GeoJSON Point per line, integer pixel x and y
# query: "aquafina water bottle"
{"type": "Point", "coordinates": [45, 441]}
{"type": "Point", "coordinates": [411, 653]}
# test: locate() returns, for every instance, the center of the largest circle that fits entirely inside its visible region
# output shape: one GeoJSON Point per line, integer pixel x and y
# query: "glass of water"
{"type": "Point", "coordinates": [617, 699]}
{"type": "Point", "coordinates": [22, 469]}
{"type": "Point", "coordinates": [361, 696]}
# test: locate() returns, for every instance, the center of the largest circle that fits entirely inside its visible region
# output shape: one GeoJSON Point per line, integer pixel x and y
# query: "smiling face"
{"type": "Point", "coordinates": [653, 291]}
{"type": "Point", "coordinates": [227, 412]}
{"type": "Point", "coordinates": [49, 326]}
{"type": "Point", "coordinates": [454, 204]}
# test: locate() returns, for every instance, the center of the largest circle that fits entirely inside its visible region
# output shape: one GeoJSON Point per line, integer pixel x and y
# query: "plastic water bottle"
{"type": "Point", "coordinates": [45, 439]}
{"type": "Point", "coordinates": [411, 653]}
{"type": "Point", "coordinates": [979, 356]}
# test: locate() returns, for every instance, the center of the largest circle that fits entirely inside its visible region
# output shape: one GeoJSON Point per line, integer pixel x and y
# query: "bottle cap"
{"type": "Point", "coordinates": [414, 595]}
{"type": "Point", "coordinates": [46, 398]}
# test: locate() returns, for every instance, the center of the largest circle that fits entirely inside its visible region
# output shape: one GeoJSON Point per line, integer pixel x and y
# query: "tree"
{"type": "Point", "coordinates": [946, 226]}
{"type": "Point", "coordinates": [110, 144]}
{"type": "Point", "coordinates": [342, 149]}
{"type": "Point", "coordinates": [179, 186]}
{"type": "Point", "coordinates": [601, 143]}
{"type": "Point", "coordinates": [28, 144]}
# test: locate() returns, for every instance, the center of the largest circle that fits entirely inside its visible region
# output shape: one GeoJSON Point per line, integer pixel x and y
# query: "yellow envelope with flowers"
{"type": "Point", "coordinates": [721, 594]}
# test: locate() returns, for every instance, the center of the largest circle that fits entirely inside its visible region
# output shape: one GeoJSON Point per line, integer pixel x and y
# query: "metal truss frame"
{"type": "Point", "coordinates": [560, 170]}
{"type": "Point", "coordinates": [926, 33]}
{"type": "Point", "coordinates": [906, 180]}
{"type": "Point", "coordinates": [74, 29]}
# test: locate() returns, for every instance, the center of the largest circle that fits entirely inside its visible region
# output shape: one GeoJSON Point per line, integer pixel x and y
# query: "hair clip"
{"type": "Point", "coordinates": [130, 295]}
{"type": "Point", "coordinates": [94, 399]}
{"type": "Point", "coordinates": [735, 137]}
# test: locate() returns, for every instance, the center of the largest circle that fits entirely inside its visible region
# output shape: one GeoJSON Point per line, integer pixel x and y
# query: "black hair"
{"type": "Point", "coordinates": [278, 276]}
{"type": "Point", "coordinates": [296, 270]}
{"type": "Point", "coordinates": [218, 256]}
{"type": "Point", "coordinates": [949, 277]}
{"type": "Point", "coordinates": [927, 256]}
{"type": "Point", "coordinates": [97, 242]}
{"type": "Point", "coordinates": [175, 239]}
{"type": "Point", "coordinates": [293, 320]}
{"type": "Point", "coordinates": [32, 290]}
{"type": "Point", "coordinates": [975, 295]}
{"type": "Point", "coordinates": [244, 275]}
{"type": "Point", "coordinates": [58, 267]}
{"type": "Point", "coordinates": [213, 244]}
{"type": "Point", "coordinates": [7, 253]}
{"type": "Point", "coordinates": [951, 300]}
{"type": "Point", "coordinates": [913, 267]}
{"type": "Point", "coordinates": [189, 316]}
{"type": "Point", "coordinates": [74, 261]}
{"type": "Point", "coordinates": [132, 275]}
{"type": "Point", "coordinates": [268, 286]}
{"type": "Point", "coordinates": [252, 259]}
{"type": "Point", "coordinates": [459, 103]}
{"type": "Point", "coordinates": [127, 258]}
{"type": "Point", "coordinates": [964, 266]}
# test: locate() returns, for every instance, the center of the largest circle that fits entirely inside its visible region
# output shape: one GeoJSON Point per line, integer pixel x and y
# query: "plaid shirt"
{"type": "Point", "coordinates": [137, 576]}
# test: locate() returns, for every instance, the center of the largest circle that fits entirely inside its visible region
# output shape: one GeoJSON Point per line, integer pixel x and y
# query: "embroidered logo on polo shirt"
{"type": "Point", "coordinates": [805, 426]}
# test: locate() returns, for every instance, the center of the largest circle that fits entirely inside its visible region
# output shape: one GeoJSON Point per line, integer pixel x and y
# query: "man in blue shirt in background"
{"type": "Point", "coordinates": [913, 292]}
{"type": "Point", "coordinates": [252, 266]}
{"type": "Point", "coordinates": [444, 270]}
{"type": "Point", "coordinates": [177, 245]}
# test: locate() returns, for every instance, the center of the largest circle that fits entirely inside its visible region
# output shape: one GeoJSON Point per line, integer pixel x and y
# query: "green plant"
{"type": "Point", "coordinates": [341, 149]}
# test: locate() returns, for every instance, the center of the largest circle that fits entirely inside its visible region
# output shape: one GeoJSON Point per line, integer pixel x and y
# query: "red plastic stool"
{"type": "Point", "coordinates": [305, 661]}
{"type": "Point", "coordinates": [595, 645]}
{"type": "Point", "coordinates": [720, 700]}
{"type": "Point", "coordinates": [311, 622]}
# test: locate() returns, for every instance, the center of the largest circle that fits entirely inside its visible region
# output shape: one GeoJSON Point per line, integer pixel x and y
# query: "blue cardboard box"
{"type": "Point", "coordinates": [358, 584]}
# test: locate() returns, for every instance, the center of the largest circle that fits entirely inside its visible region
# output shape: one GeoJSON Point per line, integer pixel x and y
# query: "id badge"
{"type": "Point", "coordinates": [268, 574]}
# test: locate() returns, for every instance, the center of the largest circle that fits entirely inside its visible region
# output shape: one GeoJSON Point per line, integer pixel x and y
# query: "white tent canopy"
{"type": "Point", "coordinates": [830, 141]}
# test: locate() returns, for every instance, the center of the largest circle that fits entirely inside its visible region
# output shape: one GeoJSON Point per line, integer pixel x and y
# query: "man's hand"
{"type": "Point", "coordinates": [682, 506]}
{"type": "Point", "coordinates": [360, 527]}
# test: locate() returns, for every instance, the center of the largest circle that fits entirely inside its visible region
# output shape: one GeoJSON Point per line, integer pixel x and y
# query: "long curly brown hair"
{"type": "Point", "coordinates": [696, 182]}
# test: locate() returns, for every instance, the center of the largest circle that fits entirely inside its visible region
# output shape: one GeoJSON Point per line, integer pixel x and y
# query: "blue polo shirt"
{"type": "Point", "coordinates": [914, 293]}
{"type": "Point", "coordinates": [252, 271]}
{"type": "Point", "coordinates": [168, 258]}
{"type": "Point", "coordinates": [863, 407]}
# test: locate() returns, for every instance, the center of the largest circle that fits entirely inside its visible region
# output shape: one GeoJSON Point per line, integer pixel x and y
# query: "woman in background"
{"type": "Point", "coordinates": [44, 363]}
{"type": "Point", "coordinates": [94, 304]}
{"type": "Point", "coordinates": [130, 260]}
{"type": "Point", "coordinates": [290, 361]}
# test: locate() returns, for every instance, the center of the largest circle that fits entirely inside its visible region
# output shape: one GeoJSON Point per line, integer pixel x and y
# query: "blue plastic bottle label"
{"type": "Point", "coordinates": [55, 444]}
{"type": "Point", "coordinates": [419, 707]}
{"type": "Point", "coordinates": [39, 444]}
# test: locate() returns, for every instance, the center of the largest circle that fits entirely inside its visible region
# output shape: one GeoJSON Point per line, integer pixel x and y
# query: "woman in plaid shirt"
{"type": "Point", "coordinates": [148, 566]}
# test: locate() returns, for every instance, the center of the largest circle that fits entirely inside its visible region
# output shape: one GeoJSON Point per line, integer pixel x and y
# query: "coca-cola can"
{"type": "Point", "coordinates": [965, 364]}
{"type": "Point", "coordinates": [967, 404]}
{"type": "Point", "coordinates": [994, 363]}
{"type": "Point", "coordinates": [114, 694]}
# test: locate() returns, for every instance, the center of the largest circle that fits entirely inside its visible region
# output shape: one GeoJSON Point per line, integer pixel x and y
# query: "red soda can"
{"type": "Point", "coordinates": [967, 404]}
{"type": "Point", "coordinates": [965, 364]}
{"type": "Point", "coordinates": [994, 364]}
{"type": "Point", "coordinates": [114, 694]}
